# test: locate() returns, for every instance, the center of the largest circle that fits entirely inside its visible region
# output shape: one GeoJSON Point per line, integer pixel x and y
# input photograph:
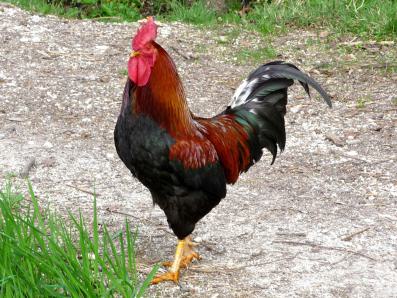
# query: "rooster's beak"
{"type": "Point", "coordinates": [134, 54]}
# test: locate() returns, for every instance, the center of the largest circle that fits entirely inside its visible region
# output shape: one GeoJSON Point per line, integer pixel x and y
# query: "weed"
{"type": "Point", "coordinates": [311, 41]}
{"type": "Point", "coordinates": [256, 55]}
{"type": "Point", "coordinates": [228, 36]}
{"type": "Point", "coordinates": [123, 72]}
{"type": "Point", "coordinates": [43, 256]}
{"type": "Point", "coordinates": [362, 102]}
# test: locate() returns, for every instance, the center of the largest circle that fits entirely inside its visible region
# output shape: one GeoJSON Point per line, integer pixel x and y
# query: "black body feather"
{"type": "Point", "coordinates": [185, 195]}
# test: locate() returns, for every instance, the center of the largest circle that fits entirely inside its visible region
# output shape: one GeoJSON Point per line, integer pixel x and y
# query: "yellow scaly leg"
{"type": "Point", "coordinates": [184, 254]}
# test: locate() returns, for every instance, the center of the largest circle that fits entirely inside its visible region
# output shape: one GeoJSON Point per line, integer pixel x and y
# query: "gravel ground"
{"type": "Point", "coordinates": [320, 222]}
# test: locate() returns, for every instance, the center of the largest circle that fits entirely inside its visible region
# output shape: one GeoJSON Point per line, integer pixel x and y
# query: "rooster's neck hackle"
{"type": "Point", "coordinates": [163, 98]}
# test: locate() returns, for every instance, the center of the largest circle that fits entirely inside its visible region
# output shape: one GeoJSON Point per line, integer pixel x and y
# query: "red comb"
{"type": "Point", "coordinates": [146, 33]}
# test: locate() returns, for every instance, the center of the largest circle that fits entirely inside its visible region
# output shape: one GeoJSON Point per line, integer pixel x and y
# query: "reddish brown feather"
{"type": "Point", "coordinates": [163, 98]}
{"type": "Point", "coordinates": [198, 142]}
{"type": "Point", "coordinates": [231, 144]}
{"type": "Point", "coordinates": [194, 153]}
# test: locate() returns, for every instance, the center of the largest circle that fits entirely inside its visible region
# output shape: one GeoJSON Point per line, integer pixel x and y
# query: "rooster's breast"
{"type": "Point", "coordinates": [143, 147]}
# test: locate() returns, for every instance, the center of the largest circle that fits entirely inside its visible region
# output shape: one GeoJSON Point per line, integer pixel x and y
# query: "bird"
{"type": "Point", "coordinates": [245, 8]}
{"type": "Point", "coordinates": [186, 161]}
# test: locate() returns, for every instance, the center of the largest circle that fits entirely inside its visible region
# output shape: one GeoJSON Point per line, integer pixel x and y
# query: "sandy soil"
{"type": "Point", "coordinates": [320, 222]}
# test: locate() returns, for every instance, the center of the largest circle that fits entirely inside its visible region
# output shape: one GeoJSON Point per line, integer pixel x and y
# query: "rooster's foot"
{"type": "Point", "coordinates": [186, 260]}
{"type": "Point", "coordinates": [168, 276]}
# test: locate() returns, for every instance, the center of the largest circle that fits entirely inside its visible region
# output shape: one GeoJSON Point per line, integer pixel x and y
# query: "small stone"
{"type": "Point", "coordinates": [296, 109]}
{"type": "Point", "coordinates": [85, 135]}
{"type": "Point", "coordinates": [101, 48]}
{"type": "Point", "coordinates": [36, 19]}
{"type": "Point", "coordinates": [324, 34]}
{"type": "Point", "coordinates": [256, 253]}
{"type": "Point", "coordinates": [352, 142]}
{"type": "Point", "coordinates": [222, 39]}
{"type": "Point", "coordinates": [11, 129]}
{"type": "Point", "coordinates": [352, 153]}
{"type": "Point", "coordinates": [198, 239]}
{"type": "Point", "coordinates": [104, 79]}
{"type": "Point", "coordinates": [334, 139]}
{"type": "Point", "coordinates": [48, 145]}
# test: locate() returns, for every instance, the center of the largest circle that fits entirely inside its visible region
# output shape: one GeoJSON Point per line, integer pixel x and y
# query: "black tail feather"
{"type": "Point", "coordinates": [260, 104]}
{"type": "Point", "coordinates": [279, 69]}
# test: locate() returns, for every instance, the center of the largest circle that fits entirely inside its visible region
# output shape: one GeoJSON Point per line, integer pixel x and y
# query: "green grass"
{"type": "Point", "coordinates": [104, 10]}
{"type": "Point", "coordinates": [362, 102]}
{"type": "Point", "coordinates": [228, 36]}
{"type": "Point", "coordinates": [43, 256]}
{"type": "Point", "coordinates": [123, 72]}
{"type": "Point", "coordinates": [197, 13]}
{"type": "Point", "coordinates": [256, 55]}
{"type": "Point", "coordinates": [365, 18]}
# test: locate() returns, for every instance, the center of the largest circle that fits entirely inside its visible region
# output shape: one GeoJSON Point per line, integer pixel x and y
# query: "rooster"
{"type": "Point", "coordinates": [186, 161]}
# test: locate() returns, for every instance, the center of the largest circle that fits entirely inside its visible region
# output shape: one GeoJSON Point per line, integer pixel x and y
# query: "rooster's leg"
{"type": "Point", "coordinates": [184, 254]}
{"type": "Point", "coordinates": [188, 254]}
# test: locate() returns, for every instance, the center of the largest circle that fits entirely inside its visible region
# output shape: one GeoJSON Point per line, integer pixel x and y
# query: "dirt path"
{"type": "Point", "coordinates": [321, 221]}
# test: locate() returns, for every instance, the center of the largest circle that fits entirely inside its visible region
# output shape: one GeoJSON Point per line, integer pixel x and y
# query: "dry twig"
{"type": "Point", "coordinates": [350, 237]}
{"type": "Point", "coordinates": [84, 190]}
{"type": "Point", "coordinates": [292, 234]}
{"type": "Point", "coordinates": [350, 156]}
{"type": "Point", "coordinates": [326, 248]}
{"type": "Point", "coordinates": [16, 119]}
{"type": "Point", "coordinates": [183, 55]}
{"type": "Point", "coordinates": [218, 268]}
{"type": "Point", "coordinates": [369, 42]}
{"type": "Point", "coordinates": [139, 218]}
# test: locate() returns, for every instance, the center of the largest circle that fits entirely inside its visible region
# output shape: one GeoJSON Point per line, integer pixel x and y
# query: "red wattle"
{"type": "Point", "coordinates": [139, 70]}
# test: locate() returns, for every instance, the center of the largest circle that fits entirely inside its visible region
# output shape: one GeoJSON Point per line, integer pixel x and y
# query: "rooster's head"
{"type": "Point", "coordinates": [143, 53]}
